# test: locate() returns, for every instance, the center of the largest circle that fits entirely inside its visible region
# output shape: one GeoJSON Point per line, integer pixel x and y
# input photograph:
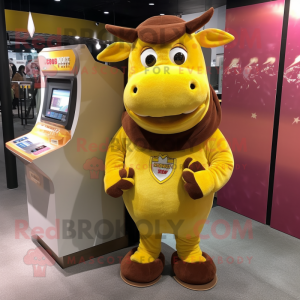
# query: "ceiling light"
{"type": "Point", "coordinates": [162, 14]}
{"type": "Point", "coordinates": [151, 3]}
{"type": "Point", "coordinates": [77, 37]}
{"type": "Point", "coordinates": [57, 0]}
{"type": "Point", "coordinates": [98, 46]}
{"type": "Point", "coordinates": [106, 12]}
{"type": "Point", "coordinates": [23, 50]}
{"type": "Point", "coordinates": [33, 50]}
{"type": "Point", "coordinates": [30, 25]}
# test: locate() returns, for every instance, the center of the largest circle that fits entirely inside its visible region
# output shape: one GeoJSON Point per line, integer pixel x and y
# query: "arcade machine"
{"type": "Point", "coordinates": [64, 156]}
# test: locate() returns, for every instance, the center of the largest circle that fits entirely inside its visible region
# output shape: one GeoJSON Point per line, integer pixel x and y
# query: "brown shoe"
{"type": "Point", "coordinates": [196, 276]}
{"type": "Point", "coordinates": [141, 275]}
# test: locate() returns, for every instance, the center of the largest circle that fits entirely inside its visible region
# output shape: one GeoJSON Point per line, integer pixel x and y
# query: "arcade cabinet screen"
{"type": "Point", "coordinates": [60, 100]}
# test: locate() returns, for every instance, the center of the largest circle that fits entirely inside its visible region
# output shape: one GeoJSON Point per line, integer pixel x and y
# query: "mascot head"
{"type": "Point", "coordinates": [168, 90]}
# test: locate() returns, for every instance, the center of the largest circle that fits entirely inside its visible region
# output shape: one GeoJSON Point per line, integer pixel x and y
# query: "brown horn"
{"type": "Point", "coordinates": [194, 25]}
{"type": "Point", "coordinates": [124, 33]}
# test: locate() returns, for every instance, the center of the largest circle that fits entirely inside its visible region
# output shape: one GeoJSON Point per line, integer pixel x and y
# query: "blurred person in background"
{"type": "Point", "coordinates": [10, 78]}
{"type": "Point", "coordinates": [19, 76]}
{"type": "Point", "coordinates": [33, 71]}
{"type": "Point", "coordinates": [14, 69]}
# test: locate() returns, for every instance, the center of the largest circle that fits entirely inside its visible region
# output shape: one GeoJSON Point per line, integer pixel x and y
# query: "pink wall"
{"type": "Point", "coordinates": [286, 197]}
{"type": "Point", "coordinates": [249, 92]}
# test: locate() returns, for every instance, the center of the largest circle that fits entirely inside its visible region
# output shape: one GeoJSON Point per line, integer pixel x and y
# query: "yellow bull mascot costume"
{"type": "Point", "coordinates": [169, 157]}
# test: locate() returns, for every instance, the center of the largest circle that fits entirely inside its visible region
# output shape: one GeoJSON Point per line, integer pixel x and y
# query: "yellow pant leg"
{"type": "Point", "coordinates": [148, 250]}
{"type": "Point", "coordinates": [188, 249]}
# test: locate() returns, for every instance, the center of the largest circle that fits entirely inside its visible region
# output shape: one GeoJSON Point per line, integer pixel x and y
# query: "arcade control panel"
{"type": "Point", "coordinates": [44, 138]}
{"type": "Point", "coordinates": [28, 145]}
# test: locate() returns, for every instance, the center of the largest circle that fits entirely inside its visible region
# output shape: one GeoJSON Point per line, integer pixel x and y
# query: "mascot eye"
{"type": "Point", "coordinates": [148, 58]}
{"type": "Point", "coordinates": [178, 55]}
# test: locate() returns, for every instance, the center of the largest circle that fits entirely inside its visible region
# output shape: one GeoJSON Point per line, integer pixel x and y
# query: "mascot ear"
{"type": "Point", "coordinates": [210, 38]}
{"type": "Point", "coordinates": [115, 52]}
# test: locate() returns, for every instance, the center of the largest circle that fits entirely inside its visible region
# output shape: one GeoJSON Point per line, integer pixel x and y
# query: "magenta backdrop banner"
{"type": "Point", "coordinates": [248, 103]}
{"type": "Point", "coordinates": [286, 197]}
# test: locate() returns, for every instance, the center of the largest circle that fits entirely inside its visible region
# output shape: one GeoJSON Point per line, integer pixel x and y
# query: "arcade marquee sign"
{"type": "Point", "coordinates": [60, 60]}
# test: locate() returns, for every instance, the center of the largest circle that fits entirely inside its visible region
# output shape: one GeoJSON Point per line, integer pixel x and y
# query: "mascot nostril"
{"type": "Point", "coordinates": [169, 162]}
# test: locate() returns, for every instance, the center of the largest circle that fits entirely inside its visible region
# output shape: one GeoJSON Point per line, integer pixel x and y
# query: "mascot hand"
{"type": "Point", "coordinates": [198, 181]}
{"type": "Point", "coordinates": [118, 181]}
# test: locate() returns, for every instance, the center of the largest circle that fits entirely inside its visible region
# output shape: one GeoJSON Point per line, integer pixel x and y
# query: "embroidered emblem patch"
{"type": "Point", "coordinates": [162, 167]}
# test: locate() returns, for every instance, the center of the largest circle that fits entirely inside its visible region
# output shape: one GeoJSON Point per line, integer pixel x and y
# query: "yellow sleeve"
{"type": "Point", "coordinates": [115, 155]}
{"type": "Point", "coordinates": [114, 161]}
{"type": "Point", "coordinates": [220, 164]}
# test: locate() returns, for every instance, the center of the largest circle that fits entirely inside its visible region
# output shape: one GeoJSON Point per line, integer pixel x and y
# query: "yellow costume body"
{"type": "Point", "coordinates": [166, 207]}
{"type": "Point", "coordinates": [168, 187]}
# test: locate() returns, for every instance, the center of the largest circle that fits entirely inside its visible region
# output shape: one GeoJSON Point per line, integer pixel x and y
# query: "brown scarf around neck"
{"type": "Point", "coordinates": [177, 141]}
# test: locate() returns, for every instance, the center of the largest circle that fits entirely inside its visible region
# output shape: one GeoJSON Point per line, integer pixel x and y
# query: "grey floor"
{"type": "Point", "coordinates": [273, 271]}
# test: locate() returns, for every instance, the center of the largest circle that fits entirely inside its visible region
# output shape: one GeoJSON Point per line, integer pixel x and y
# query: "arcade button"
{"type": "Point", "coordinates": [20, 140]}
{"type": "Point", "coordinates": [27, 143]}
{"type": "Point", "coordinates": [40, 147]}
{"type": "Point", "coordinates": [21, 145]}
{"type": "Point", "coordinates": [40, 150]}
